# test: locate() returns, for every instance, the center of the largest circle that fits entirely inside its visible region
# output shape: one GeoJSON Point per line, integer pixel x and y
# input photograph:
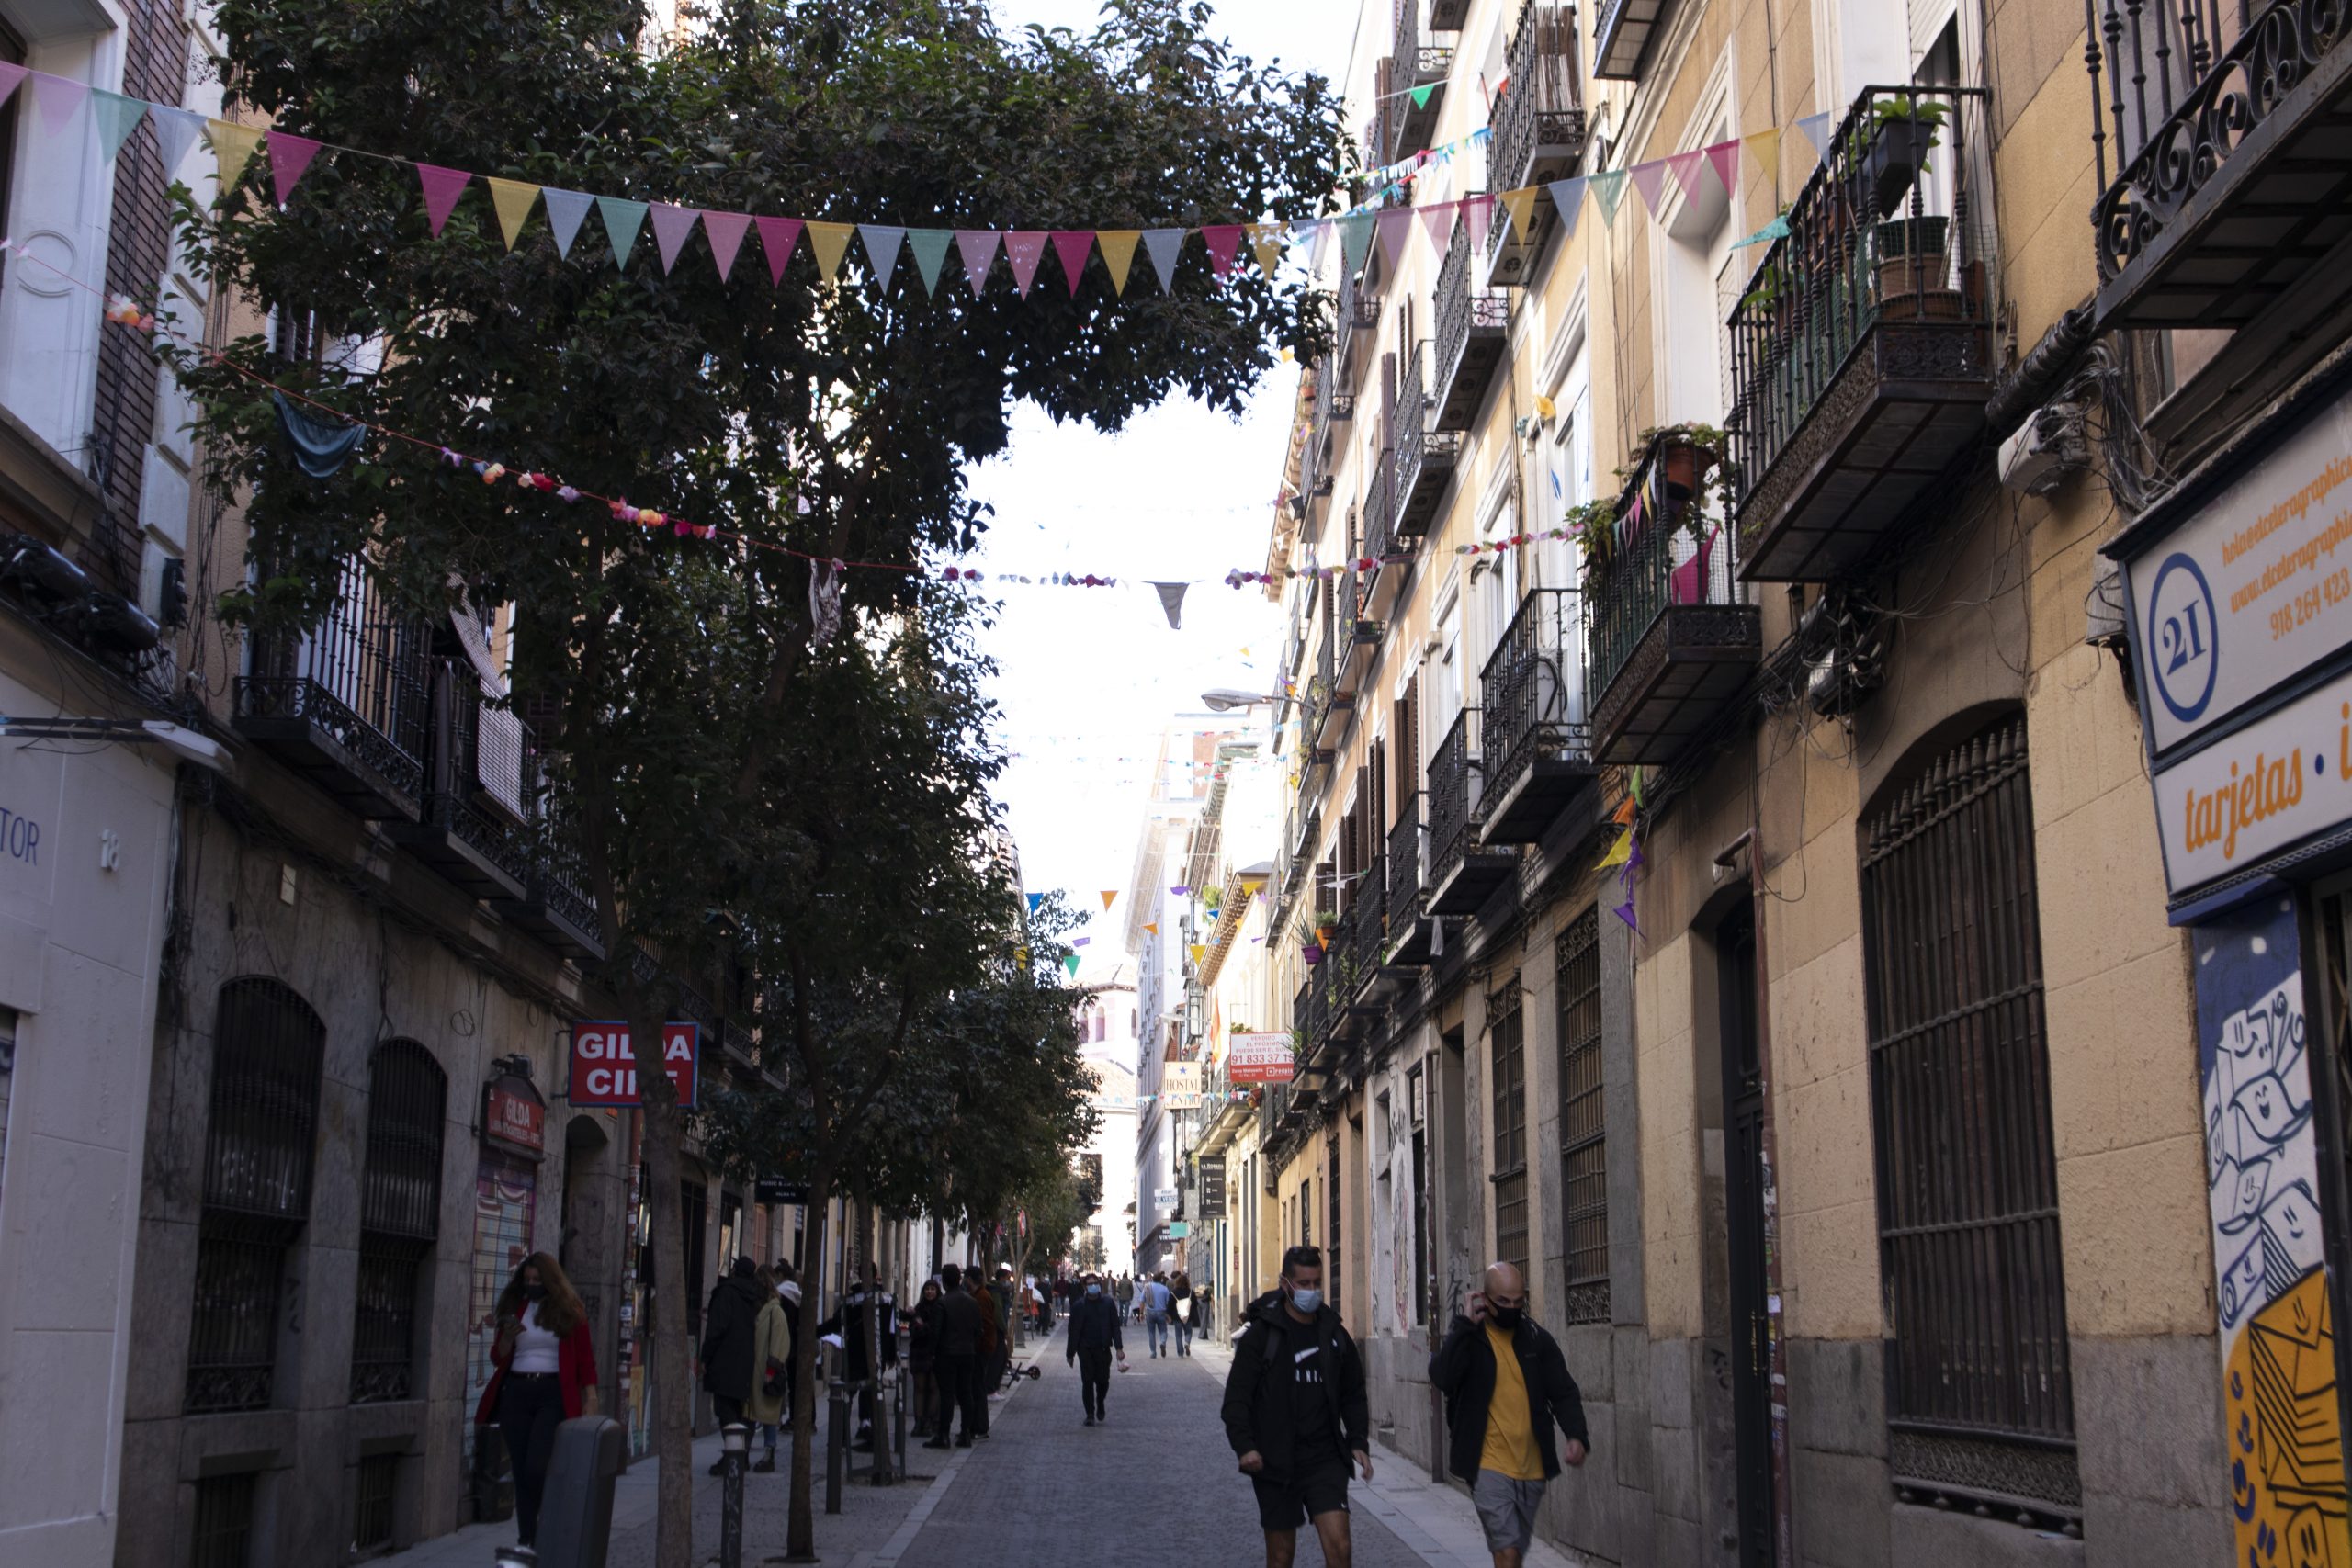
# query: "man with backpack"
{"type": "Point", "coordinates": [1505, 1384]}
{"type": "Point", "coordinates": [1295, 1412]}
{"type": "Point", "coordinates": [1094, 1335]}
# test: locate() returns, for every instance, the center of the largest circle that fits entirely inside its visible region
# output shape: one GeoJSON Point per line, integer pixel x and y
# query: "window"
{"type": "Point", "coordinates": [378, 1478]}
{"type": "Point", "coordinates": [1417, 1097]}
{"type": "Point", "coordinates": [1584, 1145]}
{"type": "Point", "coordinates": [223, 1537]}
{"type": "Point", "coordinates": [269, 1049]}
{"type": "Point", "coordinates": [1704, 277]}
{"type": "Point", "coordinates": [1508, 1157]}
{"type": "Point", "coordinates": [1960, 1091]}
{"type": "Point", "coordinates": [400, 1215]}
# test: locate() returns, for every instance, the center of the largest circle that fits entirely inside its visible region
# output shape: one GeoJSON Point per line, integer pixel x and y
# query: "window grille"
{"type": "Point", "coordinates": [379, 1482]}
{"type": "Point", "coordinates": [1583, 1120]}
{"type": "Point", "coordinates": [1508, 1158]}
{"type": "Point", "coordinates": [223, 1537]}
{"type": "Point", "coordinates": [1979, 1399]}
{"type": "Point", "coordinates": [408, 1098]}
{"type": "Point", "coordinates": [268, 1048]}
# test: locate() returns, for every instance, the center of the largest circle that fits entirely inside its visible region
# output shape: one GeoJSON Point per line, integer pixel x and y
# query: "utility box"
{"type": "Point", "coordinates": [576, 1514]}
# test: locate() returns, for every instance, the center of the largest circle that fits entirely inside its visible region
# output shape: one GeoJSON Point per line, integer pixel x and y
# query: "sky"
{"type": "Point", "coordinates": [1089, 676]}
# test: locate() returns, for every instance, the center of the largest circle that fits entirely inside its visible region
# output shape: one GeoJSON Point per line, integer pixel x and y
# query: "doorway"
{"type": "Point", "coordinates": [1743, 1178]}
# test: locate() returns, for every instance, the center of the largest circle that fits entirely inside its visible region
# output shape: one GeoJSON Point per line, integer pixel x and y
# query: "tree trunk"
{"type": "Point", "coordinates": [673, 1294]}
{"type": "Point", "coordinates": [800, 1530]}
{"type": "Point", "coordinates": [868, 1241]}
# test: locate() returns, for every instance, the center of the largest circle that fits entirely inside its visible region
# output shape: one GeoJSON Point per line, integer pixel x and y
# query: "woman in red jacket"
{"type": "Point", "coordinates": [546, 1375]}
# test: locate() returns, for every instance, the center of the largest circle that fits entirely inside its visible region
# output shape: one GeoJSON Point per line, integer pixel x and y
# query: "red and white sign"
{"type": "Point", "coordinates": [518, 1120]}
{"type": "Point", "coordinates": [603, 1063]}
{"type": "Point", "coordinates": [1258, 1058]}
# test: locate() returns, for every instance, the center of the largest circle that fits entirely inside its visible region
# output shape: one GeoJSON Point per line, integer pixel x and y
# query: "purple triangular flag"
{"type": "Point", "coordinates": [1164, 245]}
{"type": "Point", "coordinates": [58, 98]}
{"type": "Point", "coordinates": [567, 210]}
{"type": "Point", "coordinates": [289, 158]}
{"type": "Point", "coordinates": [671, 226]}
{"type": "Point", "coordinates": [978, 247]}
{"type": "Point", "coordinates": [1624, 912]}
{"type": "Point", "coordinates": [1725, 156]}
{"type": "Point", "coordinates": [1437, 222]}
{"type": "Point", "coordinates": [777, 236]}
{"type": "Point", "coordinates": [442, 189]}
{"type": "Point", "coordinates": [1688, 167]}
{"type": "Point", "coordinates": [1394, 226]}
{"type": "Point", "coordinates": [725, 230]}
{"type": "Point", "coordinates": [1650, 180]}
{"type": "Point", "coordinates": [1024, 248]}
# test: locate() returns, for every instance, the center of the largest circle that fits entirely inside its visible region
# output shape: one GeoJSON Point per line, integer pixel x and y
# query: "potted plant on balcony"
{"type": "Point", "coordinates": [1310, 951]}
{"type": "Point", "coordinates": [1327, 924]}
{"type": "Point", "coordinates": [1685, 453]}
{"type": "Point", "coordinates": [1592, 524]}
{"type": "Point", "coordinates": [1888, 149]}
{"type": "Point", "coordinates": [1914, 267]}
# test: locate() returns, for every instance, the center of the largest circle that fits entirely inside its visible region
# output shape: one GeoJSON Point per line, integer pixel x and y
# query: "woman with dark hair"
{"type": "Point", "coordinates": [922, 1357]}
{"type": "Point", "coordinates": [546, 1375]}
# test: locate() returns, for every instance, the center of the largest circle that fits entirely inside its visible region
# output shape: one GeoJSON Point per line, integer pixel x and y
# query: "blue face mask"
{"type": "Point", "coordinates": [1094, 1290]}
{"type": "Point", "coordinates": [1308, 1302]}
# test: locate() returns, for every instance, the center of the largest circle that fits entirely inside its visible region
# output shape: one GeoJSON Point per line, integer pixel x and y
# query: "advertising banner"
{"type": "Point", "coordinates": [1258, 1058]}
{"type": "Point", "coordinates": [603, 1063]}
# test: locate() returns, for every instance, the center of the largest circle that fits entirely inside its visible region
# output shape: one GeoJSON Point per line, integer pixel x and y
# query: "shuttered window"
{"type": "Point", "coordinates": [1583, 1133]}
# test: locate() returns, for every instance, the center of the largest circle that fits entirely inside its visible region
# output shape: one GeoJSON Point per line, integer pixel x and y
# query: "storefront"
{"type": "Point", "coordinates": [506, 1196]}
{"type": "Point", "coordinates": [2240, 588]}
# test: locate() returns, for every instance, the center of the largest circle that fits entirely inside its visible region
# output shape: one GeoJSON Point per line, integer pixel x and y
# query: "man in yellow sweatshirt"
{"type": "Point", "coordinates": [1505, 1384]}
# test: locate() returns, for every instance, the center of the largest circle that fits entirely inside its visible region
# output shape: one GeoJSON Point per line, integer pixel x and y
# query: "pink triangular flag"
{"type": "Point", "coordinates": [1478, 215]}
{"type": "Point", "coordinates": [777, 236]}
{"type": "Point", "coordinates": [58, 97]}
{"type": "Point", "coordinates": [1024, 249]}
{"type": "Point", "coordinates": [1393, 226]}
{"type": "Point", "coordinates": [1073, 246]}
{"type": "Point", "coordinates": [1686, 167]}
{"type": "Point", "coordinates": [671, 226]}
{"type": "Point", "coordinates": [1437, 222]}
{"type": "Point", "coordinates": [442, 189]}
{"type": "Point", "coordinates": [1650, 180]}
{"type": "Point", "coordinates": [290, 157]}
{"type": "Point", "coordinates": [1223, 241]}
{"type": "Point", "coordinates": [1725, 156]}
{"type": "Point", "coordinates": [10, 75]}
{"type": "Point", "coordinates": [725, 230]}
{"type": "Point", "coordinates": [978, 247]}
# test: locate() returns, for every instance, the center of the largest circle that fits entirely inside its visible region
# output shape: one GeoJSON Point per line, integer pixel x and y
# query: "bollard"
{"type": "Point", "coordinates": [898, 1419]}
{"type": "Point", "coordinates": [734, 1450]}
{"type": "Point", "coordinates": [836, 1443]}
{"type": "Point", "coordinates": [878, 1424]}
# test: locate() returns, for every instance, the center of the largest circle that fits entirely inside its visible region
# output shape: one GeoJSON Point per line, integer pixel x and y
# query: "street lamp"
{"type": "Point", "coordinates": [1226, 700]}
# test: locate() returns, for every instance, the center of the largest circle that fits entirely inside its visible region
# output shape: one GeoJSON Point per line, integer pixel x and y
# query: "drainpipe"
{"type": "Point", "coordinates": [1776, 1361]}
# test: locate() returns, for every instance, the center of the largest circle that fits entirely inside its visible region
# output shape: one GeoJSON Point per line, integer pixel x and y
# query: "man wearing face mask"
{"type": "Point", "coordinates": [1295, 1411]}
{"type": "Point", "coordinates": [1094, 1335]}
{"type": "Point", "coordinates": [1505, 1383]}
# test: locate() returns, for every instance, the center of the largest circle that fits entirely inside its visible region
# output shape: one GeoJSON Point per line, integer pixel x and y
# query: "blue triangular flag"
{"type": "Point", "coordinates": [1164, 245]}
{"type": "Point", "coordinates": [882, 241]}
{"type": "Point", "coordinates": [1814, 128]}
{"type": "Point", "coordinates": [175, 133]}
{"type": "Point", "coordinates": [567, 210]}
{"type": "Point", "coordinates": [1568, 198]}
{"type": "Point", "coordinates": [928, 247]}
{"type": "Point", "coordinates": [1035, 900]}
{"type": "Point", "coordinates": [622, 219]}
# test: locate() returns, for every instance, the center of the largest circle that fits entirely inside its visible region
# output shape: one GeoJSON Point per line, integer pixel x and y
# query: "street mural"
{"type": "Point", "coordinates": [2285, 1443]}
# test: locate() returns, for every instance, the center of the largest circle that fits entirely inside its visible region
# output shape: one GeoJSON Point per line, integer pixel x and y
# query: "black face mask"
{"type": "Point", "coordinates": [535, 1293]}
{"type": "Point", "coordinates": [1507, 1318]}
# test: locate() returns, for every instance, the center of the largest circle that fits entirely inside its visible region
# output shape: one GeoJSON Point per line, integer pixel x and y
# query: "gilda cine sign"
{"type": "Point", "coordinates": [603, 1063]}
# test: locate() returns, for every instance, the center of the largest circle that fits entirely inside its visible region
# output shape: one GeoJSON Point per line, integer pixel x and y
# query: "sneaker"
{"type": "Point", "coordinates": [767, 1466]}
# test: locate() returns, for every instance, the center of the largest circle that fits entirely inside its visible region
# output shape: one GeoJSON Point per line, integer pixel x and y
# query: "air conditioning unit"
{"type": "Point", "coordinates": [2047, 449]}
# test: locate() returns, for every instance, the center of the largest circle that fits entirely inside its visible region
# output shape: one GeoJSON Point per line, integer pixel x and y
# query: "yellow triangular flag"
{"type": "Point", "coordinates": [1518, 204]}
{"type": "Point", "coordinates": [1765, 148]}
{"type": "Point", "coordinates": [1619, 853]}
{"type": "Point", "coordinates": [1266, 242]}
{"type": "Point", "coordinates": [1108, 895]}
{"type": "Point", "coordinates": [1200, 950]}
{"type": "Point", "coordinates": [512, 198]}
{"type": "Point", "coordinates": [1118, 254]}
{"type": "Point", "coordinates": [828, 243]}
{"type": "Point", "coordinates": [233, 145]}
{"type": "Point", "coordinates": [1153, 930]}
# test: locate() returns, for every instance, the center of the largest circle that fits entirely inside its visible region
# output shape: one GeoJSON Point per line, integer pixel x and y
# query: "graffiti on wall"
{"type": "Point", "coordinates": [2285, 1443]}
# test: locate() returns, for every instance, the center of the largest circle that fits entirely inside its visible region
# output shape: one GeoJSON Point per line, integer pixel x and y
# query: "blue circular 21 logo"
{"type": "Point", "coordinates": [2183, 646]}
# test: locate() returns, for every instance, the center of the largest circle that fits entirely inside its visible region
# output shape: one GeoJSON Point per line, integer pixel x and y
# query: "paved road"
{"type": "Point", "coordinates": [1157, 1478]}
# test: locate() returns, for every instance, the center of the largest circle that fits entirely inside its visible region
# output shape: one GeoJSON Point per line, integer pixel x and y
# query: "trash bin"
{"type": "Point", "coordinates": [576, 1514]}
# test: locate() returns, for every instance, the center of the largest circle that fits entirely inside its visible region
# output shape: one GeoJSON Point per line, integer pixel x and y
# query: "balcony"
{"type": "Point", "coordinates": [1365, 929]}
{"type": "Point", "coordinates": [1425, 457]}
{"type": "Point", "coordinates": [1333, 407]}
{"type": "Point", "coordinates": [1359, 322]}
{"type": "Point", "coordinates": [473, 827]}
{"type": "Point", "coordinates": [1861, 356]}
{"type": "Point", "coordinates": [1386, 580]}
{"type": "Point", "coordinates": [1669, 640]}
{"type": "Point", "coordinates": [1461, 872]}
{"type": "Point", "coordinates": [556, 905]}
{"type": "Point", "coordinates": [2233, 161]}
{"type": "Point", "coordinates": [1539, 131]}
{"type": "Point", "coordinates": [1534, 750]}
{"type": "Point", "coordinates": [1473, 331]}
{"type": "Point", "coordinates": [1418, 62]}
{"type": "Point", "coordinates": [345, 706]}
{"type": "Point", "coordinates": [1407, 936]}
{"type": "Point", "coordinates": [1622, 37]}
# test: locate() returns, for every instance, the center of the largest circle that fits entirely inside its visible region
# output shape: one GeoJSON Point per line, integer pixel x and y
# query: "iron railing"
{"type": "Point", "coordinates": [1418, 446]}
{"type": "Point", "coordinates": [1530, 698]}
{"type": "Point", "coordinates": [2182, 85]}
{"type": "Point", "coordinates": [1380, 506]}
{"type": "Point", "coordinates": [1886, 237]}
{"type": "Point", "coordinates": [1404, 861]}
{"type": "Point", "coordinates": [372, 1512]}
{"type": "Point", "coordinates": [1416, 61]}
{"type": "Point", "coordinates": [268, 1051]}
{"type": "Point", "coordinates": [1461, 308]}
{"type": "Point", "coordinates": [1452, 798]}
{"type": "Point", "coordinates": [1662, 554]}
{"type": "Point", "coordinates": [383, 1339]}
{"type": "Point", "coordinates": [408, 1097]}
{"type": "Point", "coordinates": [233, 1311]}
{"type": "Point", "coordinates": [361, 675]}
{"type": "Point", "coordinates": [1367, 919]}
{"type": "Point", "coordinates": [1545, 105]}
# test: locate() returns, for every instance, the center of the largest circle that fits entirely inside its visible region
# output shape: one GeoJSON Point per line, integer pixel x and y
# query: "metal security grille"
{"type": "Point", "coordinates": [260, 1138]}
{"type": "Point", "coordinates": [408, 1103]}
{"type": "Point", "coordinates": [1506, 1023]}
{"type": "Point", "coordinates": [1583, 1129]}
{"type": "Point", "coordinates": [379, 1481]}
{"type": "Point", "coordinates": [223, 1537]}
{"type": "Point", "coordinates": [1978, 1389]}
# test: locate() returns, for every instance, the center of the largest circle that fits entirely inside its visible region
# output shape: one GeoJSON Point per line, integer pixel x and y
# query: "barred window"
{"type": "Point", "coordinates": [400, 1215]}
{"type": "Point", "coordinates": [1508, 1158]}
{"type": "Point", "coordinates": [1583, 1184]}
{"type": "Point", "coordinates": [269, 1049]}
{"type": "Point", "coordinates": [1979, 1399]}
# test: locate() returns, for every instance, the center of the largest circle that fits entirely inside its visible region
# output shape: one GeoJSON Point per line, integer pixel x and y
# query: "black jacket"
{"type": "Point", "coordinates": [849, 1321]}
{"type": "Point", "coordinates": [923, 1343]}
{"type": "Point", "coordinates": [1094, 1326]}
{"type": "Point", "coordinates": [1463, 1370]}
{"type": "Point", "coordinates": [1258, 1390]}
{"type": "Point", "coordinates": [729, 1333]}
{"type": "Point", "coordinates": [959, 1324]}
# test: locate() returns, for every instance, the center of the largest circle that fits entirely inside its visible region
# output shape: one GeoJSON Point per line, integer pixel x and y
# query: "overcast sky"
{"type": "Point", "coordinates": [1089, 676]}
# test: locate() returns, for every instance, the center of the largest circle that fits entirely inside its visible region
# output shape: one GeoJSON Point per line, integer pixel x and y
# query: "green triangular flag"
{"type": "Point", "coordinates": [1421, 96]}
{"type": "Point", "coordinates": [1071, 964]}
{"type": "Point", "coordinates": [1355, 239]}
{"type": "Point", "coordinates": [622, 219]}
{"type": "Point", "coordinates": [1608, 189]}
{"type": "Point", "coordinates": [929, 249]}
{"type": "Point", "coordinates": [118, 116]}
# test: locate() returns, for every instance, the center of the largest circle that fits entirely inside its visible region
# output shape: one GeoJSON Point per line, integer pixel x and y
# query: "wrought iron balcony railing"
{"type": "Point", "coordinates": [1473, 325]}
{"type": "Point", "coordinates": [1531, 698]}
{"type": "Point", "coordinates": [1539, 123]}
{"type": "Point", "coordinates": [1418, 66]}
{"type": "Point", "coordinates": [346, 703]}
{"type": "Point", "coordinates": [1405, 862]}
{"type": "Point", "coordinates": [1663, 560]}
{"type": "Point", "coordinates": [1453, 797]}
{"type": "Point", "coordinates": [1425, 457]}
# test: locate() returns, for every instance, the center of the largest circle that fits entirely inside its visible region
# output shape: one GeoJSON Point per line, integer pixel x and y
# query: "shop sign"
{"type": "Point", "coordinates": [1258, 1058]}
{"type": "Point", "coordinates": [1212, 1184]}
{"type": "Point", "coordinates": [1178, 1230]}
{"type": "Point", "coordinates": [778, 1189]}
{"type": "Point", "coordinates": [2253, 587]}
{"type": "Point", "coordinates": [1163, 1198]}
{"type": "Point", "coordinates": [603, 1063]}
{"type": "Point", "coordinates": [514, 1117]}
{"type": "Point", "coordinates": [2279, 780]}
{"type": "Point", "coordinates": [1179, 1086]}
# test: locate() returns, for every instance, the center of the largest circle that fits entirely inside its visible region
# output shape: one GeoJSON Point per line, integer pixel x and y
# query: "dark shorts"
{"type": "Point", "coordinates": [1321, 1487]}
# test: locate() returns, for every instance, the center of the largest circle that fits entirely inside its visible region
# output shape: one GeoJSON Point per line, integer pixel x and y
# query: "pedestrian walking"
{"type": "Point", "coordinates": [1008, 1295]}
{"type": "Point", "coordinates": [1296, 1410]}
{"type": "Point", "coordinates": [923, 1357]}
{"type": "Point", "coordinates": [958, 1368]}
{"type": "Point", "coordinates": [983, 1373]}
{"type": "Point", "coordinates": [772, 1354]}
{"type": "Point", "coordinates": [1505, 1384]}
{"type": "Point", "coordinates": [1126, 1293]}
{"type": "Point", "coordinates": [729, 1341]}
{"type": "Point", "coordinates": [1093, 1337]}
{"type": "Point", "coordinates": [546, 1363]}
{"type": "Point", "coordinates": [1180, 1310]}
{"type": "Point", "coordinates": [1153, 1297]}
